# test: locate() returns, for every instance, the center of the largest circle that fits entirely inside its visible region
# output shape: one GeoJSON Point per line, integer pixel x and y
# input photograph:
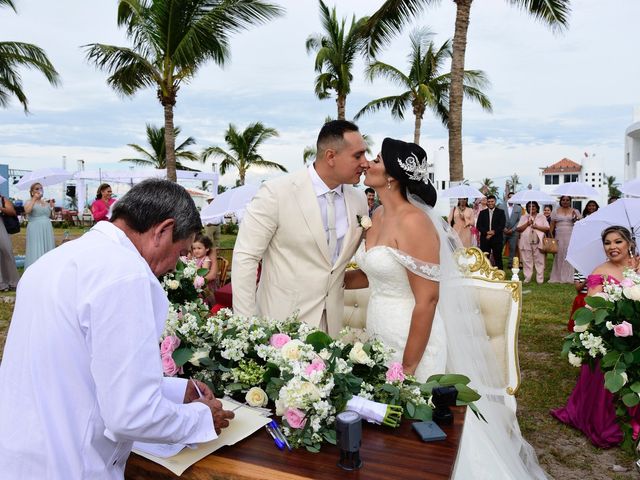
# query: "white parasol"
{"type": "Point", "coordinates": [43, 176]}
{"type": "Point", "coordinates": [577, 189]}
{"type": "Point", "coordinates": [461, 191]}
{"type": "Point", "coordinates": [631, 188]}
{"type": "Point", "coordinates": [585, 251]}
{"type": "Point", "coordinates": [525, 196]}
{"type": "Point", "coordinates": [233, 201]}
{"type": "Point", "coordinates": [2, 179]}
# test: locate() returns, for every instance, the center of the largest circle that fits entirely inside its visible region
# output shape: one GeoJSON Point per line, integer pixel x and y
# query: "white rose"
{"type": "Point", "coordinates": [632, 293]}
{"type": "Point", "coordinates": [365, 222]}
{"type": "Point", "coordinates": [580, 328]}
{"type": "Point", "coordinates": [575, 360]}
{"type": "Point", "coordinates": [281, 408]}
{"type": "Point", "coordinates": [172, 284]}
{"type": "Point", "coordinates": [625, 379]}
{"type": "Point", "coordinates": [256, 397]}
{"type": "Point", "coordinates": [291, 350]}
{"type": "Point", "coordinates": [609, 325]}
{"type": "Point", "coordinates": [358, 355]}
{"type": "Point", "coordinates": [189, 272]}
{"type": "Point", "coordinates": [308, 388]}
{"type": "Point", "coordinates": [198, 355]}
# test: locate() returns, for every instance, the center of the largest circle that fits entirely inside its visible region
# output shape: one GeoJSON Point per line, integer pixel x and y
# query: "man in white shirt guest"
{"type": "Point", "coordinates": [81, 377]}
{"type": "Point", "coordinates": [513, 213]}
{"type": "Point", "coordinates": [304, 228]}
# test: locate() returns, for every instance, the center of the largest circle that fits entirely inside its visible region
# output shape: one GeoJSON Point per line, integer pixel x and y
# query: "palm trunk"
{"type": "Point", "coordinates": [463, 10]}
{"type": "Point", "coordinates": [170, 141]}
{"type": "Point", "coordinates": [341, 101]}
{"type": "Point", "coordinates": [416, 129]}
{"type": "Point", "coordinates": [242, 173]}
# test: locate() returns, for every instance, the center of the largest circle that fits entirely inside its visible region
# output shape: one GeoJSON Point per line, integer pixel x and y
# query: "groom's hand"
{"type": "Point", "coordinates": [191, 394]}
{"type": "Point", "coordinates": [220, 416]}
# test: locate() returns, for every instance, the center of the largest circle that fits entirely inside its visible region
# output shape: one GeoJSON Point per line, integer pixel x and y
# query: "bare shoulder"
{"type": "Point", "coordinates": [417, 235]}
{"type": "Point", "coordinates": [603, 269]}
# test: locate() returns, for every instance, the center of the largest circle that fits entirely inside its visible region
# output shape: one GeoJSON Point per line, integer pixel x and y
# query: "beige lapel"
{"type": "Point", "coordinates": [354, 229]}
{"type": "Point", "coordinates": [305, 195]}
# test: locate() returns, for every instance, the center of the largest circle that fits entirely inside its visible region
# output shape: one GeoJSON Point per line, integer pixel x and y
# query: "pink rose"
{"type": "Point", "coordinates": [198, 282]}
{"type": "Point", "coordinates": [169, 344]}
{"type": "Point", "coordinates": [279, 340]}
{"type": "Point", "coordinates": [636, 428]}
{"type": "Point", "coordinates": [627, 282]}
{"type": "Point", "coordinates": [295, 418]}
{"type": "Point", "coordinates": [624, 329]}
{"type": "Point", "coordinates": [169, 367]}
{"type": "Point", "coordinates": [395, 372]}
{"type": "Point", "coordinates": [317, 365]}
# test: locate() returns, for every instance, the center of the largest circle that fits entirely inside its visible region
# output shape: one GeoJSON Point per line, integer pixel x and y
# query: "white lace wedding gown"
{"type": "Point", "coordinates": [493, 450]}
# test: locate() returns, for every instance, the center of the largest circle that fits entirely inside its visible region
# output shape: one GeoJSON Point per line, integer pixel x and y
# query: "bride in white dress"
{"type": "Point", "coordinates": [407, 261]}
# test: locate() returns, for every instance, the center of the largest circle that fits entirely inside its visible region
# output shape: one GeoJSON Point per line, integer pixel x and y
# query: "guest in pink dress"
{"type": "Point", "coordinates": [100, 207]}
{"type": "Point", "coordinates": [202, 250]}
{"type": "Point", "coordinates": [532, 227]}
{"type": "Point", "coordinates": [562, 221]}
{"type": "Point", "coordinates": [591, 408]}
{"type": "Point", "coordinates": [461, 219]}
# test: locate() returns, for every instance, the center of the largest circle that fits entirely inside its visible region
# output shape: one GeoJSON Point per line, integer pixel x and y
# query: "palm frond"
{"type": "Point", "coordinates": [396, 103]}
{"type": "Point", "coordinates": [8, 3]}
{"type": "Point", "coordinates": [554, 13]}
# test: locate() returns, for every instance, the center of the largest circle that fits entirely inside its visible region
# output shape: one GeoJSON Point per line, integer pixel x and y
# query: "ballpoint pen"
{"type": "Point", "coordinates": [279, 443]}
{"type": "Point", "coordinates": [197, 389]}
{"type": "Point", "coordinates": [274, 425]}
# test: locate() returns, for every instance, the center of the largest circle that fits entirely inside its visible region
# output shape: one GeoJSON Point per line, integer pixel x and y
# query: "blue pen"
{"type": "Point", "coordinates": [274, 425]}
{"type": "Point", "coordinates": [279, 443]}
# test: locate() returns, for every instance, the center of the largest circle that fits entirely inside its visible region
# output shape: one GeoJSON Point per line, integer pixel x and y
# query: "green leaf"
{"type": "Point", "coordinates": [423, 412]}
{"type": "Point", "coordinates": [318, 340]}
{"type": "Point", "coordinates": [411, 409]}
{"type": "Point", "coordinates": [613, 381]}
{"type": "Point", "coordinates": [631, 399]}
{"type": "Point", "coordinates": [600, 316]}
{"type": "Point", "coordinates": [583, 316]}
{"type": "Point", "coordinates": [597, 302]}
{"type": "Point", "coordinates": [182, 355]}
{"type": "Point", "coordinates": [330, 436]}
{"type": "Point", "coordinates": [628, 358]}
{"type": "Point", "coordinates": [451, 379]}
{"type": "Point", "coordinates": [635, 387]}
{"type": "Point", "coordinates": [392, 389]}
{"type": "Point", "coordinates": [313, 448]}
{"type": "Point", "coordinates": [466, 394]}
{"type": "Point", "coordinates": [609, 359]}
{"type": "Point", "coordinates": [234, 387]}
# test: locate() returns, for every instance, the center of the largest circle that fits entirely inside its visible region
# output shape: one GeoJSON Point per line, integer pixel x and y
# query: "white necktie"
{"type": "Point", "coordinates": [490, 219]}
{"type": "Point", "coordinates": [331, 222]}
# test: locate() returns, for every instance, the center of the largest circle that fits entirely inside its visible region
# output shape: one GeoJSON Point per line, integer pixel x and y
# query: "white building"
{"type": "Point", "coordinates": [567, 171]}
{"type": "Point", "coordinates": [632, 148]}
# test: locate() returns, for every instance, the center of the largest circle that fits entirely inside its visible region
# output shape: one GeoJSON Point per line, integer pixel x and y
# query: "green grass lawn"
{"type": "Point", "coordinates": [547, 381]}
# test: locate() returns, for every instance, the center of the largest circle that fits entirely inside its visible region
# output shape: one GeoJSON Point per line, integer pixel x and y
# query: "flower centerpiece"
{"type": "Point", "coordinates": [607, 331]}
{"type": "Point", "coordinates": [305, 374]}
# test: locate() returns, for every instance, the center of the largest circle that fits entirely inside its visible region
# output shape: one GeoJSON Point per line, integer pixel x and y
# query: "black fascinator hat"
{"type": "Point", "coordinates": [407, 163]}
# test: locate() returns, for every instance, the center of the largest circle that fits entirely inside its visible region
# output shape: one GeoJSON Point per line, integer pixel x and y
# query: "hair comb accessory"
{"type": "Point", "coordinates": [415, 168]}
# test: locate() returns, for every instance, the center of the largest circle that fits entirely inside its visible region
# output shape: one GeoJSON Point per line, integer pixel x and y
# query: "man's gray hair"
{"type": "Point", "coordinates": [152, 202]}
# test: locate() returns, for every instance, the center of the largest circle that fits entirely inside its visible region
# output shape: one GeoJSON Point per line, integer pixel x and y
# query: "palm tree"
{"type": "Point", "coordinates": [488, 187]}
{"type": "Point", "coordinates": [157, 156]}
{"type": "Point", "coordinates": [612, 187]}
{"type": "Point", "coordinates": [308, 154]}
{"type": "Point", "coordinates": [425, 86]}
{"type": "Point", "coordinates": [336, 51]}
{"type": "Point", "coordinates": [512, 183]}
{"type": "Point", "coordinates": [243, 148]}
{"type": "Point", "coordinates": [393, 14]}
{"type": "Point", "coordinates": [171, 40]}
{"type": "Point", "coordinates": [18, 54]}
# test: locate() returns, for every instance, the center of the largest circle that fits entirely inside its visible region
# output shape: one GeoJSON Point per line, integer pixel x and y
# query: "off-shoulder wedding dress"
{"type": "Point", "coordinates": [457, 344]}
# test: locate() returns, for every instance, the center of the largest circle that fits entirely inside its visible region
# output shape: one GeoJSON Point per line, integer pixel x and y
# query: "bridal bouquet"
{"type": "Point", "coordinates": [305, 374]}
{"type": "Point", "coordinates": [608, 330]}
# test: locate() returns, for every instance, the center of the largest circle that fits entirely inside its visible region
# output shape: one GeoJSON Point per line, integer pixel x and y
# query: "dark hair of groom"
{"type": "Point", "coordinates": [332, 133]}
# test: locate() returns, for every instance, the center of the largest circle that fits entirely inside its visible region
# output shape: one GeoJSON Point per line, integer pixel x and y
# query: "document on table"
{"type": "Point", "coordinates": [177, 458]}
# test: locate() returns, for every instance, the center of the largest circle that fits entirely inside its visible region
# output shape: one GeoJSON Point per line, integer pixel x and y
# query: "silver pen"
{"type": "Point", "coordinates": [197, 389]}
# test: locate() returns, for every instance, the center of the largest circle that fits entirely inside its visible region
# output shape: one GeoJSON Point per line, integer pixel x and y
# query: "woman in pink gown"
{"type": "Point", "coordinates": [461, 218]}
{"type": "Point", "coordinates": [562, 221]}
{"type": "Point", "coordinates": [591, 408]}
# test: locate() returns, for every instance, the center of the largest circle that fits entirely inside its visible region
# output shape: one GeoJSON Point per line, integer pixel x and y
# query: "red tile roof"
{"type": "Point", "coordinates": [563, 166]}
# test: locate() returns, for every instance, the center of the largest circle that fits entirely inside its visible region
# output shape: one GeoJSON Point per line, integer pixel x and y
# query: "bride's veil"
{"type": "Point", "coordinates": [469, 353]}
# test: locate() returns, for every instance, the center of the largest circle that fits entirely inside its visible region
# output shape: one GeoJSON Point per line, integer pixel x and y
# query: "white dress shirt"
{"type": "Point", "coordinates": [81, 377]}
{"type": "Point", "coordinates": [342, 223]}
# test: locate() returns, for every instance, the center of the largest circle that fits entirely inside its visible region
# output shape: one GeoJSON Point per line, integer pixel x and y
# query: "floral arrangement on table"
{"type": "Point", "coordinates": [308, 376]}
{"type": "Point", "coordinates": [608, 330]}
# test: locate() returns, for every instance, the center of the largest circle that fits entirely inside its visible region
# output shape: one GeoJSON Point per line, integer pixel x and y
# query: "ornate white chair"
{"type": "Point", "coordinates": [500, 306]}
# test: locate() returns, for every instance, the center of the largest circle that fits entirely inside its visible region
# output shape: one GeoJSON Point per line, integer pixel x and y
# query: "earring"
{"type": "Point", "coordinates": [388, 184]}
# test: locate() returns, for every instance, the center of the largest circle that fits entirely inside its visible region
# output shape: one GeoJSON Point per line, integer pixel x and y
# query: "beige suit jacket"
{"type": "Point", "coordinates": [283, 227]}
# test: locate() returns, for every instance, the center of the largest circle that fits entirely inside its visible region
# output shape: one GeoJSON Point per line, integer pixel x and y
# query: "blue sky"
{"type": "Point", "coordinates": [554, 95]}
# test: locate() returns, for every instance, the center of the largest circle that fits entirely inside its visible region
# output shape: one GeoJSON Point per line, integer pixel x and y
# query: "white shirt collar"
{"type": "Point", "coordinates": [318, 184]}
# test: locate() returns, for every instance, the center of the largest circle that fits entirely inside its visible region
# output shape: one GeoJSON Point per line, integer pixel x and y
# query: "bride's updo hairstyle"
{"type": "Point", "coordinates": [407, 163]}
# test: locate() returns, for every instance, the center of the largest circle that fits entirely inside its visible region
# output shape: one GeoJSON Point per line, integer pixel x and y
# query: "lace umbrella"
{"type": "Point", "coordinates": [525, 196]}
{"type": "Point", "coordinates": [631, 188]}
{"type": "Point", "coordinates": [44, 176]}
{"type": "Point", "coordinates": [585, 251]}
{"type": "Point", "coordinates": [577, 189]}
{"type": "Point", "coordinates": [461, 191]}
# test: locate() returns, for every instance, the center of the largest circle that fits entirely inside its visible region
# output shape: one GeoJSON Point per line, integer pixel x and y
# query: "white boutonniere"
{"type": "Point", "coordinates": [364, 221]}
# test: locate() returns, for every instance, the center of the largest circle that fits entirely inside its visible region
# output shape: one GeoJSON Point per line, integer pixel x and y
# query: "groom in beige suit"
{"type": "Point", "coordinates": [304, 228]}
